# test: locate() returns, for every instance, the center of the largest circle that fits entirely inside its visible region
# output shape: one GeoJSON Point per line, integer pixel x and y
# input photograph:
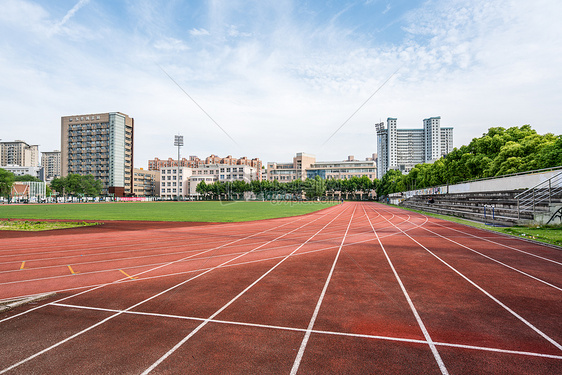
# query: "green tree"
{"type": "Point", "coordinates": [315, 187]}
{"type": "Point", "coordinates": [27, 177]}
{"type": "Point", "coordinates": [6, 182]}
{"type": "Point", "coordinates": [77, 185]}
{"type": "Point", "coordinates": [202, 188]}
{"type": "Point", "coordinates": [551, 154]}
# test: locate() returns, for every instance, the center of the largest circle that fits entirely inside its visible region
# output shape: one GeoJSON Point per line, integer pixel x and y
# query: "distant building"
{"type": "Point", "coordinates": [342, 170]}
{"type": "Point", "coordinates": [174, 182]}
{"type": "Point", "coordinates": [99, 144]}
{"type": "Point", "coordinates": [195, 162]}
{"type": "Point", "coordinates": [28, 191]}
{"type": "Point", "coordinates": [211, 173]}
{"type": "Point", "coordinates": [146, 183]}
{"type": "Point", "coordinates": [305, 166]}
{"type": "Point", "coordinates": [19, 153]}
{"type": "Point", "coordinates": [51, 163]}
{"type": "Point", "coordinates": [402, 149]}
{"type": "Point", "coordinates": [37, 172]}
{"type": "Point", "coordinates": [183, 181]}
{"type": "Point", "coordinates": [285, 172]}
{"type": "Point", "coordinates": [156, 164]}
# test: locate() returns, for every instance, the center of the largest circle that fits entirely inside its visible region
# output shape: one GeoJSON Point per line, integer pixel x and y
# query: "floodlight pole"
{"type": "Point", "coordinates": [178, 141]}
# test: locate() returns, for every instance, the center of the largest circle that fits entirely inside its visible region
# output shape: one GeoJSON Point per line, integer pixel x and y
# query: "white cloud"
{"type": "Point", "coordinates": [234, 32]}
{"type": "Point", "coordinates": [171, 44]}
{"type": "Point", "coordinates": [282, 85]}
{"type": "Point", "coordinates": [199, 32]}
{"type": "Point", "coordinates": [58, 26]}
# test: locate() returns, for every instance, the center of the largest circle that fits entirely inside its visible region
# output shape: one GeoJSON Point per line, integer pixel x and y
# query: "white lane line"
{"type": "Point", "coordinates": [330, 333]}
{"type": "Point", "coordinates": [189, 258]}
{"type": "Point", "coordinates": [523, 320]}
{"type": "Point", "coordinates": [210, 318]}
{"type": "Point", "coordinates": [501, 244]}
{"type": "Point", "coordinates": [126, 280]}
{"type": "Point", "coordinates": [304, 342]}
{"type": "Point", "coordinates": [430, 342]}
{"type": "Point", "coordinates": [137, 304]}
{"type": "Point", "coordinates": [140, 273]}
{"type": "Point", "coordinates": [495, 260]}
{"type": "Point", "coordinates": [96, 286]}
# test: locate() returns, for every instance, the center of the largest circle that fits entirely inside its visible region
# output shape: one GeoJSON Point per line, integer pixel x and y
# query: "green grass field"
{"type": "Point", "coordinates": [162, 211]}
{"type": "Point", "coordinates": [37, 226]}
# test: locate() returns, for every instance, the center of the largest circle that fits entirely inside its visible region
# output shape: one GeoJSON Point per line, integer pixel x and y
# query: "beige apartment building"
{"type": "Point", "coordinates": [100, 144]}
{"type": "Point", "coordinates": [285, 172]}
{"type": "Point", "coordinates": [51, 163]}
{"type": "Point", "coordinates": [146, 183]}
{"type": "Point", "coordinates": [19, 153]}
{"type": "Point", "coordinates": [195, 162]}
{"type": "Point", "coordinates": [305, 166]}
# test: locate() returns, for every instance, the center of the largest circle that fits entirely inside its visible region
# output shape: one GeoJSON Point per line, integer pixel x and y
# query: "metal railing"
{"type": "Point", "coordinates": [541, 193]}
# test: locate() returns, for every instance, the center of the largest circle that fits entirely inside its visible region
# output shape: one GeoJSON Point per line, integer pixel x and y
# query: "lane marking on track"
{"type": "Point", "coordinates": [199, 269]}
{"type": "Point", "coordinates": [155, 255]}
{"type": "Point", "coordinates": [124, 279]}
{"type": "Point", "coordinates": [512, 312]}
{"type": "Point", "coordinates": [180, 260]}
{"type": "Point", "coordinates": [22, 266]}
{"type": "Point", "coordinates": [72, 271]}
{"type": "Point", "coordinates": [430, 342]}
{"type": "Point", "coordinates": [304, 342]}
{"type": "Point", "coordinates": [495, 260]}
{"type": "Point", "coordinates": [294, 329]}
{"type": "Point", "coordinates": [206, 321]}
{"type": "Point", "coordinates": [129, 276]}
{"type": "Point", "coordinates": [501, 244]}
{"type": "Point", "coordinates": [137, 304]}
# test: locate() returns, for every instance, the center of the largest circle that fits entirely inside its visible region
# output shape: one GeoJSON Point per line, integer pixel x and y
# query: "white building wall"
{"type": "Point", "coordinates": [116, 150]}
{"type": "Point", "coordinates": [174, 182]}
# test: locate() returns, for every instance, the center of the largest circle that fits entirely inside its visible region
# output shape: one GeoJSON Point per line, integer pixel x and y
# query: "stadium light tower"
{"type": "Point", "coordinates": [178, 141]}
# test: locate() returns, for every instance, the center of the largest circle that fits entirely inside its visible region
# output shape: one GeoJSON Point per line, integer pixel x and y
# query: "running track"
{"type": "Point", "coordinates": [355, 288]}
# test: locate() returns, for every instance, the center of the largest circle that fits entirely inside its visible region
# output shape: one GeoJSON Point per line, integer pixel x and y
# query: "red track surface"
{"type": "Point", "coordinates": [356, 288]}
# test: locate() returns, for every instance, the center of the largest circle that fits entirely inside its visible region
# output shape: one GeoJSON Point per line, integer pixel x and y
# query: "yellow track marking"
{"type": "Point", "coordinates": [72, 271]}
{"type": "Point", "coordinates": [22, 265]}
{"type": "Point", "coordinates": [125, 273]}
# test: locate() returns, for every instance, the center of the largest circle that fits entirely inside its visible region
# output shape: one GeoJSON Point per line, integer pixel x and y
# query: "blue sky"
{"type": "Point", "coordinates": [278, 76]}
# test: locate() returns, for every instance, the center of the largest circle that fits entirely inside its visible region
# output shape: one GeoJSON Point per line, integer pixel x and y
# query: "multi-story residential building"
{"type": "Point", "coordinates": [402, 149]}
{"type": "Point", "coordinates": [51, 163]}
{"type": "Point", "coordinates": [195, 162]}
{"type": "Point", "coordinates": [99, 144]}
{"type": "Point", "coordinates": [155, 164]}
{"type": "Point", "coordinates": [342, 170]}
{"type": "Point", "coordinates": [211, 173]}
{"type": "Point", "coordinates": [19, 153]}
{"type": "Point", "coordinates": [146, 183]}
{"type": "Point", "coordinates": [183, 181]}
{"type": "Point", "coordinates": [305, 166]}
{"type": "Point", "coordinates": [285, 172]}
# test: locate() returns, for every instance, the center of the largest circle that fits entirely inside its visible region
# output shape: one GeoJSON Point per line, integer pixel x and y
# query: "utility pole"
{"type": "Point", "coordinates": [178, 141]}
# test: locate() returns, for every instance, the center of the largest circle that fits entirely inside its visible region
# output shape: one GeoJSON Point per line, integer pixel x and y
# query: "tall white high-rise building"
{"type": "Point", "coordinates": [402, 149]}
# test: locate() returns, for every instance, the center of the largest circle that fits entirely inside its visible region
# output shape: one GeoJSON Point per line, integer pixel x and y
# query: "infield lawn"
{"type": "Point", "coordinates": [162, 211]}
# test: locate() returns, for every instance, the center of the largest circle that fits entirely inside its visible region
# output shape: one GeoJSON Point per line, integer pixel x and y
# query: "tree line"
{"type": "Point", "coordinates": [77, 185]}
{"type": "Point", "coordinates": [497, 152]}
{"type": "Point", "coordinates": [311, 188]}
